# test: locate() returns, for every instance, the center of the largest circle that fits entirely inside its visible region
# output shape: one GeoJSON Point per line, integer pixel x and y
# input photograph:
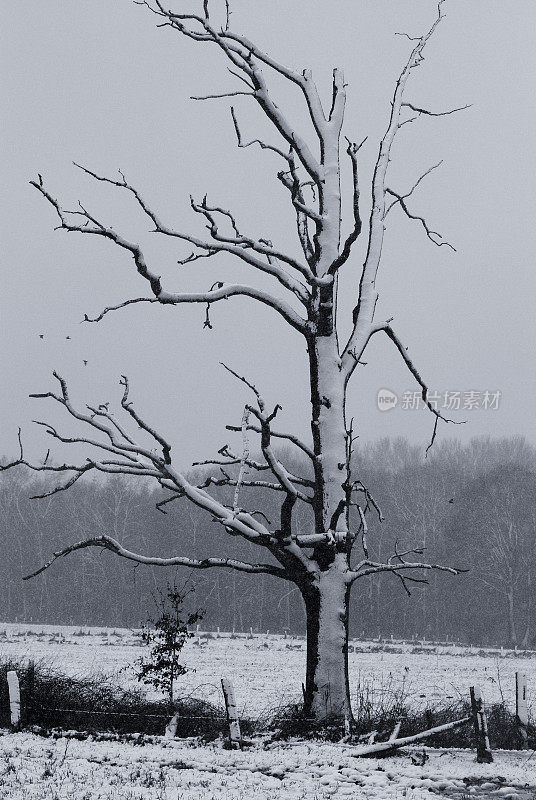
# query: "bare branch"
{"type": "Point", "coordinates": [370, 501]}
{"type": "Point", "coordinates": [364, 531]}
{"type": "Point", "coordinates": [413, 369]}
{"type": "Point", "coordinates": [352, 151]}
{"type": "Point", "coordinates": [108, 543]}
{"type": "Point", "coordinates": [124, 304]}
{"type": "Point", "coordinates": [401, 200]}
{"type": "Point", "coordinates": [261, 144]}
{"type": "Point", "coordinates": [247, 383]}
{"type": "Point", "coordinates": [411, 38]}
{"type": "Point", "coordinates": [245, 456]}
{"type": "Point", "coordinates": [195, 256]}
{"type": "Point", "coordinates": [151, 465]}
{"type": "Point", "coordinates": [415, 185]}
{"type": "Point", "coordinates": [367, 567]}
{"type": "Point", "coordinates": [233, 460]}
{"type": "Point", "coordinates": [222, 293]}
{"type": "Point", "coordinates": [368, 296]}
{"type": "Point", "coordinates": [166, 447]}
{"type": "Point", "coordinates": [281, 473]}
{"type": "Point", "coordinates": [278, 435]}
{"type": "Point", "coordinates": [218, 96]}
{"type": "Point", "coordinates": [240, 245]}
{"type": "Point", "coordinates": [243, 247]}
{"type": "Point", "coordinates": [435, 113]}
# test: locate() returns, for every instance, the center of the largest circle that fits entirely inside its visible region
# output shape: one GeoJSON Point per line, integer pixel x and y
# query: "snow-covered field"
{"type": "Point", "coordinates": [33, 768]}
{"type": "Point", "coordinates": [267, 671]}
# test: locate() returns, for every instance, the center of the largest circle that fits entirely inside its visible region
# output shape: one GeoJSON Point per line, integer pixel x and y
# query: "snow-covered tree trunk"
{"type": "Point", "coordinates": [327, 596]}
{"type": "Point", "coordinates": [327, 692]}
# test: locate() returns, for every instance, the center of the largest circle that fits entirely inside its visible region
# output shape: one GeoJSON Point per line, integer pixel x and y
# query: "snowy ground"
{"type": "Point", "coordinates": [33, 768]}
{"type": "Point", "coordinates": [267, 671]}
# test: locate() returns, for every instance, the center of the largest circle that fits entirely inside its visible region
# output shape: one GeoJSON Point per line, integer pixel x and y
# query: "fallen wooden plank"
{"type": "Point", "coordinates": [393, 744]}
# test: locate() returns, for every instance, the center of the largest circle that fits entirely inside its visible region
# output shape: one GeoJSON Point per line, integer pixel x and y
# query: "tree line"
{"type": "Point", "coordinates": [473, 506]}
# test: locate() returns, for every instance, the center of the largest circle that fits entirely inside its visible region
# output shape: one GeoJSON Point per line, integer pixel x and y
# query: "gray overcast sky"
{"type": "Point", "coordinates": [98, 83]}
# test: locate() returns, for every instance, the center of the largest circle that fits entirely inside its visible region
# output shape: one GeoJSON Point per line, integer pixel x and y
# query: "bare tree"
{"type": "Point", "coordinates": [495, 524]}
{"type": "Point", "coordinates": [320, 562]}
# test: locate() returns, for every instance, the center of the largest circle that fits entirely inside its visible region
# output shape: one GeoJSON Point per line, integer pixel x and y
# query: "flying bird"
{"type": "Point", "coordinates": [67, 337]}
{"type": "Point", "coordinates": [41, 335]}
{"type": "Point", "coordinates": [85, 362]}
{"type": "Point", "coordinates": [451, 500]}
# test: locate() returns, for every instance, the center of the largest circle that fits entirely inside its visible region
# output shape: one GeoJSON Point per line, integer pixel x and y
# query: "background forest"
{"type": "Point", "coordinates": [471, 506]}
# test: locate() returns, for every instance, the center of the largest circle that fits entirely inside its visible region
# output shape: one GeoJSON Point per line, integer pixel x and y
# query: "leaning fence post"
{"type": "Point", "coordinates": [480, 722]}
{"type": "Point", "coordinates": [232, 715]}
{"type": "Point", "coordinates": [14, 698]}
{"type": "Point", "coordinates": [171, 727]}
{"type": "Point", "coordinates": [522, 712]}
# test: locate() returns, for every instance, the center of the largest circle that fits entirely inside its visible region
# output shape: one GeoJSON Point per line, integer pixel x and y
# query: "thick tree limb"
{"type": "Point", "coordinates": [222, 293]}
{"type": "Point", "coordinates": [368, 296]}
{"type": "Point", "coordinates": [108, 543]}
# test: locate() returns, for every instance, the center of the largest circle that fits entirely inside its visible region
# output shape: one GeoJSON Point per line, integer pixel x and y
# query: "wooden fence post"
{"type": "Point", "coordinates": [396, 731]}
{"type": "Point", "coordinates": [232, 715]}
{"type": "Point", "coordinates": [14, 698]}
{"type": "Point", "coordinates": [522, 712]}
{"type": "Point", "coordinates": [171, 727]}
{"type": "Point", "coordinates": [480, 722]}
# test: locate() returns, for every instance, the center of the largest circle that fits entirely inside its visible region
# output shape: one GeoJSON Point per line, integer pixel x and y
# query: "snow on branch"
{"type": "Point", "coordinates": [352, 150]}
{"type": "Point", "coordinates": [365, 308]}
{"type": "Point", "coordinates": [233, 460]}
{"type": "Point", "coordinates": [244, 249]}
{"type": "Point", "coordinates": [278, 435]}
{"type": "Point", "coordinates": [134, 458]}
{"type": "Point", "coordinates": [280, 472]}
{"type": "Point", "coordinates": [368, 567]}
{"type": "Point", "coordinates": [108, 543]}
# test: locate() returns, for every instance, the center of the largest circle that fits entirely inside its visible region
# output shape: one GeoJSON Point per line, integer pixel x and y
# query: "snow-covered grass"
{"type": "Point", "coordinates": [34, 768]}
{"type": "Point", "coordinates": [267, 673]}
{"type": "Point", "coordinates": [268, 670]}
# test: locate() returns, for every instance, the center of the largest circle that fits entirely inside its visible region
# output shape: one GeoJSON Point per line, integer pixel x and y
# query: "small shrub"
{"type": "Point", "coordinates": [170, 633]}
